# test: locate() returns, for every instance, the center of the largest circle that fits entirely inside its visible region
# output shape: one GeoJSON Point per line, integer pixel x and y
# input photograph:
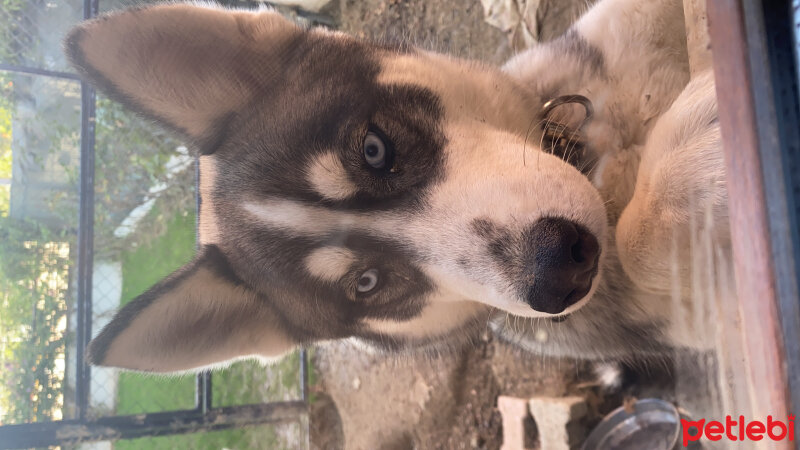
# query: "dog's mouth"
{"type": "Point", "coordinates": [563, 140]}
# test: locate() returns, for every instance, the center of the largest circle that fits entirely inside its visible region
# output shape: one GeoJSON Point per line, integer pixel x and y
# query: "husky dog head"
{"type": "Point", "coordinates": [348, 189]}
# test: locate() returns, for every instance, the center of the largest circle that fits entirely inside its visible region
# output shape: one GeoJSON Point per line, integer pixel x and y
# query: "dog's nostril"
{"type": "Point", "coordinates": [577, 252]}
{"type": "Point", "coordinates": [586, 249]}
{"type": "Point", "coordinates": [562, 261]}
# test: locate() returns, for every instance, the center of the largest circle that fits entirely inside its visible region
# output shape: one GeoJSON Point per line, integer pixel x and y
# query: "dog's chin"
{"type": "Point", "coordinates": [522, 309]}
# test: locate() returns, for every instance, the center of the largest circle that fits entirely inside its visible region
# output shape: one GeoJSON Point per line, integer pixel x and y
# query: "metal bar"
{"type": "Point", "coordinates": [796, 33]}
{"type": "Point", "coordinates": [778, 113]}
{"type": "Point", "coordinates": [303, 375]}
{"type": "Point", "coordinates": [207, 391]}
{"type": "Point", "coordinates": [90, 8]}
{"type": "Point", "coordinates": [85, 238]}
{"type": "Point", "coordinates": [156, 424]}
{"type": "Point", "coordinates": [36, 71]}
{"type": "Point", "coordinates": [737, 34]}
{"type": "Point", "coordinates": [85, 248]}
{"type": "Point", "coordinates": [304, 423]}
{"type": "Point", "coordinates": [202, 392]}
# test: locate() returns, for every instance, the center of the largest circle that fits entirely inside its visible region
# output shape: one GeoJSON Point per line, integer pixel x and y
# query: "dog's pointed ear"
{"type": "Point", "coordinates": [199, 316]}
{"type": "Point", "coordinates": [186, 66]}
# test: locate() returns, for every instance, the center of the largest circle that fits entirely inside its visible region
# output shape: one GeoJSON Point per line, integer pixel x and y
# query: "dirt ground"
{"type": "Point", "coordinates": [456, 27]}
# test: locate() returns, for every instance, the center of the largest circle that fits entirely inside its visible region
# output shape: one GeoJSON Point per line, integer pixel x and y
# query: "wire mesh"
{"type": "Point", "coordinates": [37, 255]}
{"type": "Point", "coordinates": [144, 229]}
{"type": "Point", "coordinates": [31, 31]}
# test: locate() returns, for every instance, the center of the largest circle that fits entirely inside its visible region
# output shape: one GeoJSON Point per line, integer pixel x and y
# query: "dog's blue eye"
{"type": "Point", "coordinates": [367, 281]}
{"type": "Point", "coordinates": [375, 151]}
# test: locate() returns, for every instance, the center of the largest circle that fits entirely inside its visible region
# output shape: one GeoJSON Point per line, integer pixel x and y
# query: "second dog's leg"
{"type": "Point", "coordinates": [679, 205]}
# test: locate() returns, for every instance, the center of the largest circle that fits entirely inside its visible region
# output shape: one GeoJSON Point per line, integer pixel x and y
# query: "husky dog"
{"type": "Point", "coordinates": [404, 198]}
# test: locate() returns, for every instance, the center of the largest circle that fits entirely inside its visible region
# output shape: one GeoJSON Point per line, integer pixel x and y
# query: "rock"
{"type": "Point", "coordinates": [308, 5]}
{"type": "Point", "coordinates": [517, 432]}
{"type": "Point", "coordinates": [558, 420]}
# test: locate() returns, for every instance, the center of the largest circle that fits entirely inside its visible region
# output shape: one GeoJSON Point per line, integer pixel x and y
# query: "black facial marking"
{"type": "Point", "coordinates": [272, 263]}
{"type": "Point", "coordinates": [484, 228]}
{"type": "Point", "coordinates": [209, 144]}
{"type": "Point", "coordinates": [508, 249]}
{"type": "Point", "coordinates": [504, 249]}
{"type": "Point", "coordinates": [574, 44]}
{"type": "Point", "coordinates": [500, 242]}
{"type": "Point", "coordinates": [327, 101]}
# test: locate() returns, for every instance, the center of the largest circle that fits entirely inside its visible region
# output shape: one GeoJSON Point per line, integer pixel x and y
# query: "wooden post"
{"type": "Point", "coordinates": [698, 41]}
{"type": "Point", "coordinates": [742, 135]}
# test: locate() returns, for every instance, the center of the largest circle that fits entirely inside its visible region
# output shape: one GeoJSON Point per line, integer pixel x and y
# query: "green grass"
{"type": "Point", "coordinates": [144, 266]}
{"type": "Point", "coordinates": [242, 383]}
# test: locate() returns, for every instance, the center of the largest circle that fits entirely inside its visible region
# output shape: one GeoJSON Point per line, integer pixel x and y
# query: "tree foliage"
{"type": "Point", "coordinates": [5, 142]}
{"type": "Point", "coordinates": [34, 290]}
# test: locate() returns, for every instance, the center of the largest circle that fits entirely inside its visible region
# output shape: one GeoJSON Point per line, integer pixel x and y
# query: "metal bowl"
{"type": "Point", "coordinates": [654, 425]}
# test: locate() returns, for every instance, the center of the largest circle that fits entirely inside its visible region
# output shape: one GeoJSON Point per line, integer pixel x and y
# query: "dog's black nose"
{"type": "Point", "coordinates": [561, 262]}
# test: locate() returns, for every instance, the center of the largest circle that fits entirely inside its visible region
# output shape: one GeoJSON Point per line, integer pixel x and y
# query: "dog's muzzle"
{"type": "Point", "coordinates": [562, 261]}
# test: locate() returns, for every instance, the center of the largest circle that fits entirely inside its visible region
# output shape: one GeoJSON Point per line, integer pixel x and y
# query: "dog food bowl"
{"type": "Point", "coordinates": [652, 424]}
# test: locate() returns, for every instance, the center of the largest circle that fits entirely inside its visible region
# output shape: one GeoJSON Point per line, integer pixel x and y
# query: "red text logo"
{"type": "Point", "coordinates": [738, 430]}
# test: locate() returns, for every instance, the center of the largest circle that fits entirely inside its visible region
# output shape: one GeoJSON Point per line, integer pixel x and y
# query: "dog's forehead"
{"type": "Point", "coordinates": [316, 221]}
{"type": "Point", "coordinates": [468, 89]}
{"type": "Point", "coordinates": [208, 227]}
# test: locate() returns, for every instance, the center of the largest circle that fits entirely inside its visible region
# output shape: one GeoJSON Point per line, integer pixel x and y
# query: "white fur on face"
{"type": "Point", "coordinates": [297, 218]}
{"type": "Point", "coordinates": [439, 317]}
{"type": "Point", "coordinates": [329, 263]}
{"type": "Point", "coordinates": [208, 230]}
{"type": "Point", "coordinates": [329, 178]}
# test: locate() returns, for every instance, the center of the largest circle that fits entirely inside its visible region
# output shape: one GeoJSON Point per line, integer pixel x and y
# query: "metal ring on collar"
{"type": "Point", "coordinates": [550, 105]}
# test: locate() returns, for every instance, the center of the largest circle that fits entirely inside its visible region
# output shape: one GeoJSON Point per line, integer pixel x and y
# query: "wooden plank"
{"type": "Point", "coordinates": [757, 297]}
{"type": "Point", "coordinates": [697, 40]}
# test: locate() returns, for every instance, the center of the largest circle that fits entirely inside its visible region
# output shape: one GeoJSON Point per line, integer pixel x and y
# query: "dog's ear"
{"type": "Point", "coordinates": [199, 316]}
{"type": "Point", "coordinates": [186, 66]}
